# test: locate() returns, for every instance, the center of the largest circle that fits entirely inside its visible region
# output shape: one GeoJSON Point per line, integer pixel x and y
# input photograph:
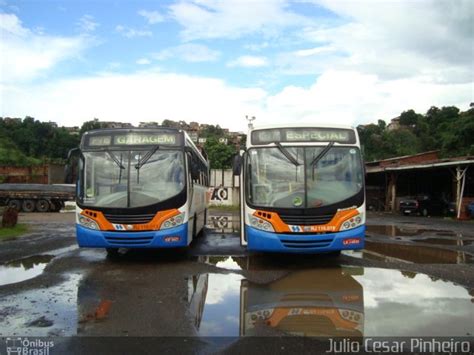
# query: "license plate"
{"type": "Point", "coordinates": [407, 211]}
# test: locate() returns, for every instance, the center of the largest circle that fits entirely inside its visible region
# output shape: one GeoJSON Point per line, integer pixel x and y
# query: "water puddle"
{"type": "Point", "coordinates": [224, 224]}
{"type": "Point", "coordinates": [46, 311]}
{"type": "Point", "coordinates": [338, 301]}
{"type": "Point", "coordinates": [419, 254]}
{"type": "Point", "coordinates": [224, 262]}
{"type": "Point", "coordinates": [23, 269]}
{"type": "Point", "coordinates": [395, 231]}
{"type": "Point", "coordinates": [444, 241]}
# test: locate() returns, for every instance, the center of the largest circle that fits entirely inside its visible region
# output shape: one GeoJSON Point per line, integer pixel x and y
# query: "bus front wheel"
{"type": "Point", "coordinates": [112, 252]}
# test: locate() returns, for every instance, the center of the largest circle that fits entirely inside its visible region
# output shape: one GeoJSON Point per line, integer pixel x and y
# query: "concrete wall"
{"type": "Point", "coordinates": [224, 190]}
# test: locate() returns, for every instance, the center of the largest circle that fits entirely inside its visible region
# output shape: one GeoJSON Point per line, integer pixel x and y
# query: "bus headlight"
{"type": "Point", "coordinates": [87, 222]}
{"type": "Point", "coordinates": [352, 316]}
{"type": "Point", "coordinates": [261, 224]}
{"type": "Point", "coordinates": [352, 222]}
{"type": "Point", "coordinates": [258, 316]}
{"type": "Point", "coordinates": [173, 221]}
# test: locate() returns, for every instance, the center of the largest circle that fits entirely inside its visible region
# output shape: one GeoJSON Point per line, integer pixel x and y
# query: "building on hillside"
{"type": "Point", "coordinates": [74, 131]}
{"type": "Point", "coordinates": [394, 124]}
{"type": "Point", "coordinates": [148, 125]}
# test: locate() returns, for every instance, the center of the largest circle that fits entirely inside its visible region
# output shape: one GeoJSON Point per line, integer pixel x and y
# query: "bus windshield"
{"type": "Point", "coordinates": [303, 177]}
{"type": "Point", "coordinates": [131, 178]}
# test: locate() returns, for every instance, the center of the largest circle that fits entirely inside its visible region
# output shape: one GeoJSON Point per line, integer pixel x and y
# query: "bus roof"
{"type": "Point", "coordinates": [302, 125]}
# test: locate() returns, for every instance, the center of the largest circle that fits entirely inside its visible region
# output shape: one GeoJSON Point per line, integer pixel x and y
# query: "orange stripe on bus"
{"type": "Point", "coordinates": [332, 313]}
{"type": "Point", "coordinates": [154, 224]}
{"type": "Point", "coordinates": [332, 226]}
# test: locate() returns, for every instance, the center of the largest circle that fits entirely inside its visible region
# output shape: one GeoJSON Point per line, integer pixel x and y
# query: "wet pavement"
{"type": "Point", "coordinates": [415, 278]}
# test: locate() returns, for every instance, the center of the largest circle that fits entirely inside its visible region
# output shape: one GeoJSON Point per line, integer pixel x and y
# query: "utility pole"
{"type": "Point", "coordinates": [250, 121]}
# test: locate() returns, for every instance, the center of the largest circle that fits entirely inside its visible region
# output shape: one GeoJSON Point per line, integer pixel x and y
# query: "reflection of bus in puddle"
{"type": "Point", "coordinates": [322, 302]}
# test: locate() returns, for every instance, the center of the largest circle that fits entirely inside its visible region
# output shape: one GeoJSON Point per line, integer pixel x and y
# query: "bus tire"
{"type": "Point", "coordinates": [16, 204]}
{"type": "Point", "coordinates": [194, 226]}
{"type": "Point", "coordinates": [28, 206]}
{"type": "Point", "coordinates": [112, 252]}
{"type": "Point", "coordinates": [42, 206]}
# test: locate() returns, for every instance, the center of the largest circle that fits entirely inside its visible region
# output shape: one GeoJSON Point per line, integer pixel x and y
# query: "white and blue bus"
{"type": "Point", "coordinates": [302, 189]}
{"type": "Point", "coordinates": [140, 188]}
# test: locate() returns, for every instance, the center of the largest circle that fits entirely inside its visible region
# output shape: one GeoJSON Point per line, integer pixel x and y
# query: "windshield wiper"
{"type": "Point", "coordinates": [114, 158]}
{"type": "Point", "coordinates": [146, 157]}
{"type": "Point", "coordinates": [287, 154]}
{"type": "Point", "coordinates": [142, 161]}
{"type": "Point", "coordinates": [322, 154]}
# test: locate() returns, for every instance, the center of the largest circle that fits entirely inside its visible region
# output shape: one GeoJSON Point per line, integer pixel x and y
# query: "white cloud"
{"type": "Point", "coordinates": [142, 96]}
{"type": "Point", "coordinates": [26, 54]}
{"type": "Point", "coordinates": [343, 97]}
{"type": "Point", "coordinates": [132, 32]}
{"type": "Point", "coordinates": [392, 39]}
{"type": "Point", "coordinates": [143, 61]}
{"type": "Point", "coordinates": [11, 24]}
{"type": "Point", "coordinates": [249, 61]}
{"type": "Point", "coordinates": [87, 24]}
{"type": "Point", "coordinates": [152, 17]}
{"type": "Point", "coordinates": [233, 18]}
{"type": "Point", "coordinates": [189, 53]}
{"type": "Point", "coordinates": [350, 97]}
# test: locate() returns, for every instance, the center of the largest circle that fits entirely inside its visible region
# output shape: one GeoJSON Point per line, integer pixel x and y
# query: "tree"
{"type": "Point", "coordinates": [409, 118]}
{"type": "Point", "coordinates": [90, 125]}
{"type": "Point", "coordinates": [220, 155]}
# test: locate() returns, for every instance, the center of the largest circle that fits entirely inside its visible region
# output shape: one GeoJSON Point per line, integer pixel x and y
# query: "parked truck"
{"type": "Point", "coordinates": [36, 197]}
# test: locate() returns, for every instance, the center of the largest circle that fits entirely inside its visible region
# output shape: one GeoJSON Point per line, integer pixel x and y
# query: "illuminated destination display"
{"type": "Point", "coordinates": [132, 138]}
{"type": "Point", "coordinates": [98, 141]}
{"type": "Point", "coordinates": [145, 139]}
{"type": "Point", "coordinates": [266, 136]}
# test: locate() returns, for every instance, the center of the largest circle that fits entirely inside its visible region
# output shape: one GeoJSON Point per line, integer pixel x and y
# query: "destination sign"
{"type": "Point", "coordinates": [145, 139]}
{"type": "Point", "coordinates": [133, 138]}
{"type": "Point", "coordinates": [304, 135]}
{"type": "Point", "coordinates": [99, 141]}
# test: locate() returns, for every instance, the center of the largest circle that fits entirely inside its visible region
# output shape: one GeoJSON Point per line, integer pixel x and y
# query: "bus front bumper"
{"type": "Point", "coordinates": [167, 238]}
{"type": "Point", "coordinates": [259, 240]}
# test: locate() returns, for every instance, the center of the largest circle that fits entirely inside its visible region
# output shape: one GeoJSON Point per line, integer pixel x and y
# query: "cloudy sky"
{"type": "Point", "coordinates": [216, 61]}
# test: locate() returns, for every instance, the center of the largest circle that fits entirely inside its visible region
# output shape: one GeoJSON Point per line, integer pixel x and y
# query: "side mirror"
{"type": "Point", "coordinates": [237, 165]}
{"type": "Point", "coordinates": [194, 171]}
{"type": "Point", "coordinates": [192, 166]}
{"type": "Point", "coordinates": [73, 153]}
{"type": "Point", "coordinates": [72, 156]}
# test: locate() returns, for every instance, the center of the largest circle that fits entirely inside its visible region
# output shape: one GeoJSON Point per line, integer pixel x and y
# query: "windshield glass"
{"type": "Point", "coordinates": [275, 181]}
{"type": "Point", "coordinates": [116, 179]}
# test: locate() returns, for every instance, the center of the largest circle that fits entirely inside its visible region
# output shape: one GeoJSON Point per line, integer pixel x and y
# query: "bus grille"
{"type": "Point", "coordinates": [290, 243]}
{"type": "Point", "coordinates": [307, 323]}
{"type": "Point", "coordinates": [129, 240]}
{"type": "Point", "coordinates": [129, 219]}
{"type": "Point", "coordinates": [306, 220]}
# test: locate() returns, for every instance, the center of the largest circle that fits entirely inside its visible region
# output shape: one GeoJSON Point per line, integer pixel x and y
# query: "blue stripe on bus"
{"type": "Point", "coordinates": [167, 238]}
{"type": "Point", "coordinates": [259, 240]}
